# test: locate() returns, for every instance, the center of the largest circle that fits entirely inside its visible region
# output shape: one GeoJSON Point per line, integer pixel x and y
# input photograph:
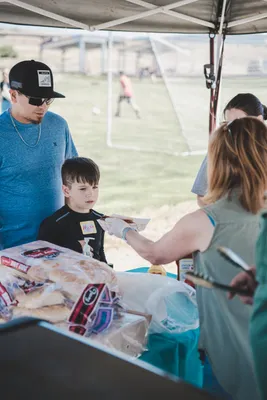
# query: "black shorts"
{"type": "Point", "coordinates": [127, 98]}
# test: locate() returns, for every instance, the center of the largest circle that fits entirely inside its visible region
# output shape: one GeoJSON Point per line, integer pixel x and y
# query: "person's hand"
{"type": "Point", "coordinates": [244, 281]}
{"type": "Point", "coordinates": [116, 226]}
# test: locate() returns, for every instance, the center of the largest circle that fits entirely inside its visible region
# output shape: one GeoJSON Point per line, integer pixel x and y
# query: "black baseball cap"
{"type": "Point", "coordinates": [34, 79]}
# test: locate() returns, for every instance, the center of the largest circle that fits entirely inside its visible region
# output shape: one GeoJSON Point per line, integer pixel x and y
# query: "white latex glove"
{"type": "Point", "coordinates": [116, 226]}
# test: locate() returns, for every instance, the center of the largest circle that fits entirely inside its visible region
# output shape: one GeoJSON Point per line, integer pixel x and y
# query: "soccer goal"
{"type": "Point", "coordinates": [166, 73]}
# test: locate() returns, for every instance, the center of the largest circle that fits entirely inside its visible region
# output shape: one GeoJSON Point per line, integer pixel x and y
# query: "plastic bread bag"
{"type": "Point", "coordinates": [7, 296]}
{"type": "Point", "coordinates": [171, 303]}
{"type": "Point", "coordinates": [72, 273]}
{"type": "Point", "coordinates": [19, 297]}
{"type": "Point", "coordinates": [40, 295]}
{"type": "Point", "coordinates": [11, 289]}
{"type": "Point", "coordinates": [127, 334]}
{"type": "Point", "coordinates": [53, 314]}
{"type": "Point", "coordinates": [138, 223]}
{"type": "Point", "coordinates": [42, 261]}
{"type": "Point", "coordinates": [72, 291]}
{"type": "Point", "coordinates": [92, 312]}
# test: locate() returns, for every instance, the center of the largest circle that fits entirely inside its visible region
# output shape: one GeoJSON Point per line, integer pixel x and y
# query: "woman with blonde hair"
{"type": "Point", "coordinates": [237, 180]}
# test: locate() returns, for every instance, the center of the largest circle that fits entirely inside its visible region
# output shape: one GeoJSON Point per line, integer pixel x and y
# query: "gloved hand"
{"type": "Point", "coordinates": [116, 226]}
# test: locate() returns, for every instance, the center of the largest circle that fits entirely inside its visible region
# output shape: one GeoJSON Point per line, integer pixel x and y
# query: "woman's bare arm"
{"type": "Point", "coordinates": [193, 232]}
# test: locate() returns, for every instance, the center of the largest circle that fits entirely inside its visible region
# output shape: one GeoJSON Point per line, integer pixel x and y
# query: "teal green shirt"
{"type": "Point", "coordinates": [224, 324]}
{"type": "Point", "coordinates": [258, 323]}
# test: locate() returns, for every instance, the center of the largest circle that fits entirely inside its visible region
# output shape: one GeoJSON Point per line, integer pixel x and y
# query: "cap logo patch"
{"type": "Point", "coordinates": [16, 85]}
{"type": "Point", "coordinates": [44, 78]}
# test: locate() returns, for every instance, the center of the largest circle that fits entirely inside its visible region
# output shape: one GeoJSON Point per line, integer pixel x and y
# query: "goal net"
{"type": "Point", "coordinates": [170, 90]}
{"type": "Point", "coordinates": [166, 73]}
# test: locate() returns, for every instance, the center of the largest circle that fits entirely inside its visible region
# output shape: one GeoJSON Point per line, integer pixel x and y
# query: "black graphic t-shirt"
{"type": "Point", "coordinates": [67, 228]}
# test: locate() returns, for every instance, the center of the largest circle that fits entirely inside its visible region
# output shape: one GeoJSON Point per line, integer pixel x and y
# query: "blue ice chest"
{"type": "Point", "coordinates": [175, 353]}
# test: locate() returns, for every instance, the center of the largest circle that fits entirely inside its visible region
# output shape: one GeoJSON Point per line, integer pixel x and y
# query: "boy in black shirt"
{"type": "Point", "coordinates": [71, 224]}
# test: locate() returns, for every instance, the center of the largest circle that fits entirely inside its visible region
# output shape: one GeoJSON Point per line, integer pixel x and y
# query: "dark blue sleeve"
{"type": "Point", "coordinates": [48, 231]}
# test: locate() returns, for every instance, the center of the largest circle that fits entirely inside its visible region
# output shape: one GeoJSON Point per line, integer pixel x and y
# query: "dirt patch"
{"type": "Point", "coordinates": [162, 220]}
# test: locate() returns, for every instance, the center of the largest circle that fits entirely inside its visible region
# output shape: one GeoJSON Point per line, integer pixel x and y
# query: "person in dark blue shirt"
{"type": "Point", "coordinates": [74, 223]}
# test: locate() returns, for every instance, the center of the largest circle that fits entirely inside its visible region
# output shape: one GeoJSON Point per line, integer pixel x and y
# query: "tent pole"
{"type": "Point", "coordinates": [219, 61]}
{"type": "Point", "coordinates": [82, 51]}
{"type": "Point", "coordinates": [219, 49]}
{"type": "Point", "coordinates": [212, 88]}
{"type": "Point", "coordinates": [103, 58]}
{"type": "Point", "coordinates": [109, 105]}
{"type": "Point", "coordinates": [218, 80]}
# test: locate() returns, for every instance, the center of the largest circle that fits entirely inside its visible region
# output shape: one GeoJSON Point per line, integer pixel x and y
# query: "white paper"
{"type": "Point", "coordinates": [138, 223]}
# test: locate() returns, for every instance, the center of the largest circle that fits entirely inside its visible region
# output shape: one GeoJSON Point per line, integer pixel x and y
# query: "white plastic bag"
{"type": "Point", "coordinates": [171, 303]}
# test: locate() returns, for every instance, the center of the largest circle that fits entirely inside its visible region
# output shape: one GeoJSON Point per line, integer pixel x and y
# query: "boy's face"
{"type": "Point", "coordinates": [81, 197]}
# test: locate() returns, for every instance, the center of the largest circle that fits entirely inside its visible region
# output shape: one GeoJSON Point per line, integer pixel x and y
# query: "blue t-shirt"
{"type": "Point", "coordinates": [30, 178]}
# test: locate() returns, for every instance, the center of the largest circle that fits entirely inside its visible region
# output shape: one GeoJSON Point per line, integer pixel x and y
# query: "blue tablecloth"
{"type": "Point", "coordinates": [176, 354]}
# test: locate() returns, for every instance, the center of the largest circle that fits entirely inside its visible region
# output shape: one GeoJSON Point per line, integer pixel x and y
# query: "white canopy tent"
{"type": "Point", "coordinates": [183, 16]}
{"type": "Point", "coordinates": [213, 17]}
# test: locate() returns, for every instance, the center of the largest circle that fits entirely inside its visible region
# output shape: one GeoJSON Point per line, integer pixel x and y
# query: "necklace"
{"type": "Point", "coordinates": [16, 129]}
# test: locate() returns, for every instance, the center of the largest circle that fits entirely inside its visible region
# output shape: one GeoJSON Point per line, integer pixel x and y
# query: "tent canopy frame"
{"type": "Point", "coordinates": [220, 23]}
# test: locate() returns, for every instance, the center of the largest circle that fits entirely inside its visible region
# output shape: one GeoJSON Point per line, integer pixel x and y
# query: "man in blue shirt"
{"type": "Point", "coordinates": [33, 145]}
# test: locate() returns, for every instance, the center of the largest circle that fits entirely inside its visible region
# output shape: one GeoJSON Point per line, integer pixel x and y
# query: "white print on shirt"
{"type": "Point", "coordinates": [88, 227]}
{"type": "Point", "coordinates": [87, 249]}
{"type": "Point", "coordinates": [44, 78]}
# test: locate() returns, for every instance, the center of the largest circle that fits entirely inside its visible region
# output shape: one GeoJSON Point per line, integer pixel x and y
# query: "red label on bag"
{"type": "Point", "coordinates": [43, 252]}
{"type": "Point", "coordinates": [86, 304]}
{"type": "Point", "coordinates": [5, 296]}
{"type": "Point", "coordinates": [77, 329]}
{"type": "Point", "coordinates": [9, 262]}
{"type": "Point", "coordinates": [28, 286]}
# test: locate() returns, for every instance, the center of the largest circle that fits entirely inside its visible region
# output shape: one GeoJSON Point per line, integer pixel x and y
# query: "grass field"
{"type": "Point", "coordinates": [131, 180]}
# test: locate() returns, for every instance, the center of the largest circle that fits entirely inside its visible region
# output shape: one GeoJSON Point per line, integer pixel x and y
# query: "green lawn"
{"type": "Point", "coordinates": [133, 180]}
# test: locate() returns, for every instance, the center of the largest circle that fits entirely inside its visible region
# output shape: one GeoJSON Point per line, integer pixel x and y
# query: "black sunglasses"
{"type": "Point", "coordinates": [37, 101]}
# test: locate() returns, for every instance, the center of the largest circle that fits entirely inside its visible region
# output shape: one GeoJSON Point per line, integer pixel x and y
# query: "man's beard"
{"type": "Point", "coordinates": [36, 121]}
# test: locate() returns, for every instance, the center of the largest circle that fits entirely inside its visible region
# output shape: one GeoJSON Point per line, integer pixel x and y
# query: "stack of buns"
{"type": "Point", "coordinates": [45, 281]}
{"type": "Point", "coordinates": [56, 283]}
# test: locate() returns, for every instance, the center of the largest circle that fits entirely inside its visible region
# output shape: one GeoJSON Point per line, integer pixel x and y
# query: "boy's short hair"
{"type": "Point", "coordinates": [80, 169]}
